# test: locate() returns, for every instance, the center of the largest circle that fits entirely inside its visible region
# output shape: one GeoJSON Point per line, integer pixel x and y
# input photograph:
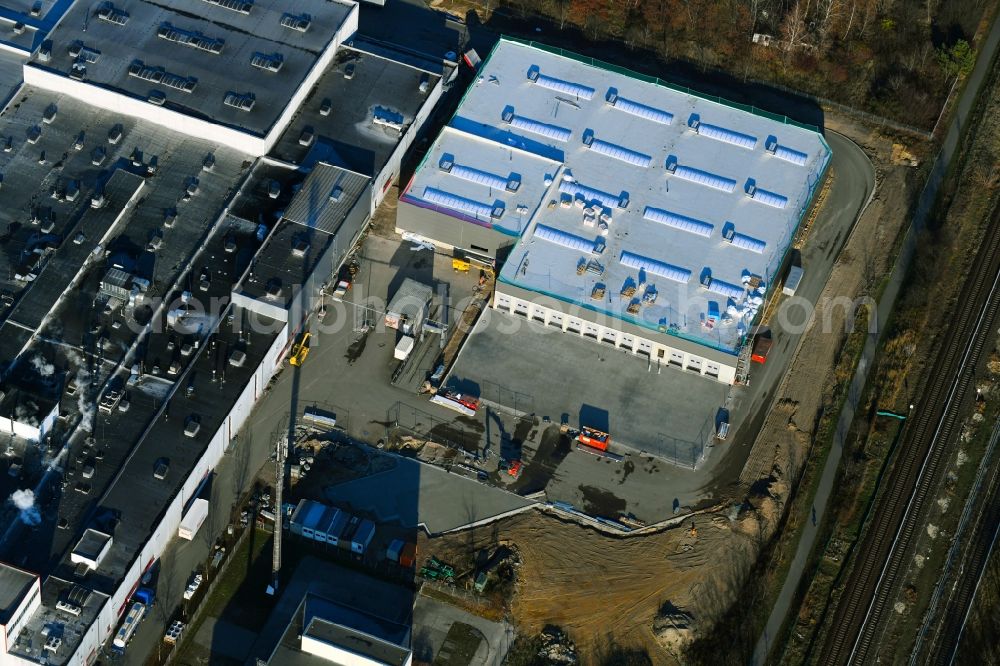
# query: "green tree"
{"type": "Point", "coordinates": [957, 60]}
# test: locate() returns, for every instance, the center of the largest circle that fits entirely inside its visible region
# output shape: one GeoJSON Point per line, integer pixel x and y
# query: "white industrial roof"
{"type": "Point", "coordinates": [671, 173]}
{"type": "Point", "coordinates": [481, 176]}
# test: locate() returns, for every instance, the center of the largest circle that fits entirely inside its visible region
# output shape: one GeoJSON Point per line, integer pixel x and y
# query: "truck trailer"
{"type": "Point", "coordinates": [193, 519]}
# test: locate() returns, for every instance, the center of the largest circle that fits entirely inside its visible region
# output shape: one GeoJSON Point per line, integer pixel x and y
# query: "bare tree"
{"type": "Point", "coordinates": [794, 27]}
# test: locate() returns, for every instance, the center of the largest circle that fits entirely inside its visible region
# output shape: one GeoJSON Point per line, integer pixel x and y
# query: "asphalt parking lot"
{"type": "Point", "coordinates": [413, 494]}
{"type": "Point", "coordinates": [664, 411]}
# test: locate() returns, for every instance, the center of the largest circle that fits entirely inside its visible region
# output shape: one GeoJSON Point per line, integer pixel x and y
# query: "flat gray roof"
{"type": "Point", "coordinates": [14, 584]}
{"type": "Point", "coordinates": [91, 543]}
{"type": "Point", "coordinates": [164, 35]}
{"type": "Point", "coordinates": [381, 88]}
{"type": "Point", "coordinates": [355, 630]}
{"type": "Point", "coordinates": [327, 195]}
{"type": "Point", "coordinates": [669, 171]}
{"type": "Point", "coordinates": [481, 170]}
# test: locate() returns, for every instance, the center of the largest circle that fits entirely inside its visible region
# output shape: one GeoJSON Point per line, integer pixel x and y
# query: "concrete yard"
{"type": "Point", "coordinates": [664, 411]}
{"type": "Point", "coordinates": [414, 494]}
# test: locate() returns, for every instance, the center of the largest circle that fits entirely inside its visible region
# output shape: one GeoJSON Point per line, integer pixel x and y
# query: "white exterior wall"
{"type": "Point", "coordinates": [391, 168]}
{"type": "Point", "coordinates": [109, 615]}
{"type": "Point", "coordinates": [139, 108]}
{"type": "Point", "coordinates": [32, 600]}
{"type": "Point", "coordinates": [339, 655]}
{"type": "Point", "coordinates": [655, 349]}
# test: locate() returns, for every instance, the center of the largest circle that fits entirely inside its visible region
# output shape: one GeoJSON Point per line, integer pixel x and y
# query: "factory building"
{"type": "Point", "coordinates": [640, 215]}
{"type": "Point", "coordinates": [170, 193]}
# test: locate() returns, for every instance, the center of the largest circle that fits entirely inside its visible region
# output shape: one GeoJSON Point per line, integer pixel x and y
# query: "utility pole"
{"type": "Point", "coordinates": [280, 453]}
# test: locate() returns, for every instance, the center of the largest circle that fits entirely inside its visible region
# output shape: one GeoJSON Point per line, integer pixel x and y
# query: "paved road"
{"type": "Point", "coordinates": [927, 197]}
{"type": "Point", "coordinates": [852, 189]}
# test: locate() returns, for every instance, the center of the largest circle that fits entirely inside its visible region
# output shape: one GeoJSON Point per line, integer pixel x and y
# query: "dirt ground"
{"type": "Point", "coordinates": [597, 586]}
{"type": "Point", "coordinates": [785, 435]}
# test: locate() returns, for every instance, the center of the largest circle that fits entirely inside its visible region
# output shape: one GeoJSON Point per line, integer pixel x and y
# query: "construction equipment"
{"type": "Point", "coordinates": [594, 438]}
{"type": "Point", "coordinates": [461, 265]}
{"type": "Point", "coordinates": [761, 348]}
{"type": "Point", "coordinates": [300, 350]}
{"type": "Point", "coordinates": [435, 569]}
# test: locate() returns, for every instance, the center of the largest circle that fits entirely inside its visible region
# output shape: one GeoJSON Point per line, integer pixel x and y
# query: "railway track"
{"type": "Point", "coordinates": [945, 646]}
{"type": "Point", "coordinates": [883, 553]}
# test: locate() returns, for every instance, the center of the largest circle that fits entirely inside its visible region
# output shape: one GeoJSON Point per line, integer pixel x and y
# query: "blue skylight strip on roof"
{"type": "Point", "coordinates": [478, 176]}
{"type": "Point", "coordinates": [748, 243]}
{"type": "Point", "coordinates": [770, 198]}
{"type": "Point", "coordinates": [455, 202]}
{"type": "Point", "coordinates": [663, 269]}
{"type": "Point", "coordinates": [568, 87]}
{"type": "Point", "coordinates": [789, 155]}
{"type": "Point", "coordinates": [726, 289]}
{"type": "Point", "coordinates": [705, 178]}
{"type": "Point", "coordinates": [622, 153]}
{"type": "Point", "coordinates": [727, 136]}
{"type": "Point", "coordinates": [563, 238]}
{"type": "Point", "coordinates": [588, 193]}
{"type": "Point", "coordinates": [644, 111]}
{"type": "Point", "coordinates": [542, 129]}
{"type": "Point", "coordinates": [682, 222]}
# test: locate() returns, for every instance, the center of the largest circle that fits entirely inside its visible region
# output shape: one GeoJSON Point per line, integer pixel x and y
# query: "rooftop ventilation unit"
{"type": "Point", "coordinates": [298, 22]}
{"type": "Point", "coordinates": [765, 197]}
{"type": "Point", "coordinates": [486, 178]}
{"type": "Point", "coordinates": [726, 289]}
{"type": "Point", "coordinates": [336, 193]}
{"type": "Point", "coordinates": [271, 62]}
{"type": "Point", "coordinates": [772, 146]}
{"type": "Point", "coordinates": [559, 85]}
{"type": "Point", "coordinates": [453, 201]}
{"type": "Point", "coordinates": [534, 126]}
{"type": "Point", "coordinates": [145, 72]}
{"type": "Point", "coordinates": [565, 239]}
{"type": "Point", "coordinates": [617, 152]}
{"type": "Point", "coordinates": [83, 53]}
{"type": "Point", "coordinates": [243, 102]}
{"type": "Point", "coordinates": [637, 109]}
{"type": "Point", "coordinates": [701, 177]}
{"type": "Point", "coordinates": [108, 12]}
{"type": "Point", "coordinates": [655, 267]}
{"type": "Point", "coordinates": [69, 608]}
{"type": "Point", "coordinates": [722, 134]}
{"type": "Point", "coordinates": [682, 222]}
{"type": "Point", "coordinates": [240, 6]}
{"type": "Point", "coordinates": [574, 188]}
{"type": "Point", "coordinates": [748, 243]}
{"type": "Point", "coordinates": [195, 40]}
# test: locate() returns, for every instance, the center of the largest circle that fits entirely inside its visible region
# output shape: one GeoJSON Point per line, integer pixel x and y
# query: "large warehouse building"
{"type": "Point", "coordinates": [637, 214]}
{"type": "Point", "coordinates": [132, 194]}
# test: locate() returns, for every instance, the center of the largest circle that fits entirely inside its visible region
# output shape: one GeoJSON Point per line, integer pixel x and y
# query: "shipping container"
{"type": "Point", "coordinates": [408, 556]}
{"type": "Point", "coordinates": [336, 527]}
{"type": "Point", "coordinates": [761, 348]}
{"type": "Point", "coordinates": [408, 307]}
{"type": "Point", "coordinates": [362, 536]}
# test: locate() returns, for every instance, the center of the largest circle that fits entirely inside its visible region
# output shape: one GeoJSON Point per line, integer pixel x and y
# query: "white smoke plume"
{"type": "Point", "coordinates": [24, 501]}
{"type": "Point", "coordinates": [86, 408]}
{"type": "Point", "coordinates": [44, 368]}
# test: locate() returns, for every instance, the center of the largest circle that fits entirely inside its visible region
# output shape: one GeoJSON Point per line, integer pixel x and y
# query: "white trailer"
{"type": "Point", "coordinates": [403, 348]}
{"type": "Point", "coordinates": [795, 274]}
{"type": "Point", "coordinates": [193, 519]}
